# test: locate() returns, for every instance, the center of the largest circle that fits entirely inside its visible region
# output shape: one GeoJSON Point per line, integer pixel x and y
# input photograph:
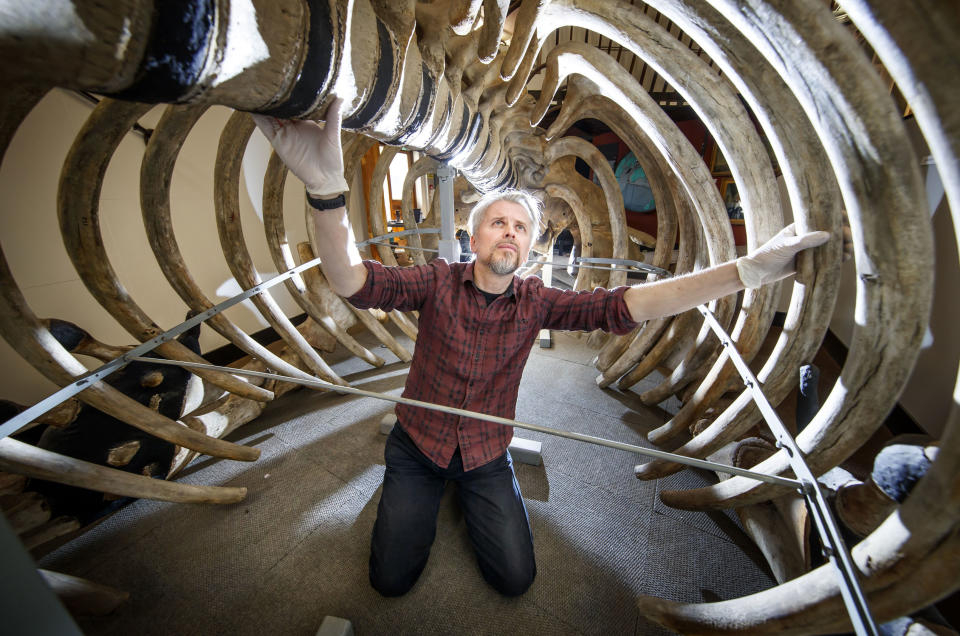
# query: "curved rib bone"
{"type": "Point", "coordinates": [420, 167]}
{"type": "Point", "coordinates": [906, 564]}
{"type": "Point", "coordinates": [610, 113]}
{"type": "Point", "coordinates": [227, 203]}
{"type": "Point", "coordinates": [79, 212]}
{"type": "Point", "coordinates": [40, 464]}
{"type": "Point", "coordinates": [280, 252]}
{"type": "Point", "coordinates": [35, 344]}
{"type": "Point", "coordinates": [155, 179]}
{"type": "Point", "coordinates": [813, 195]}
{"type": "Point", "coordinates": [614, 198]}
{"type": "Point", "coordinates": [376, 222]}
{"type": "Point", "coordinates": [850, 113]}
{"type": "Point", "coordinates": [573, 199]}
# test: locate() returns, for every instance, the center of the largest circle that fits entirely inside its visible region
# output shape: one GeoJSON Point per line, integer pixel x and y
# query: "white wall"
{"type": "Point", "coordinates": [30, 237]}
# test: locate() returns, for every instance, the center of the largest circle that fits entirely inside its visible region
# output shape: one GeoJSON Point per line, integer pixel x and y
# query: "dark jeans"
{"type": "Point", "coordinates": [407, 519]}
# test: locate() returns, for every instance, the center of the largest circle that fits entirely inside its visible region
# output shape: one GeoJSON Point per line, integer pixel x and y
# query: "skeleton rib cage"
{"type": "Point", "coordinates": [453, 80]}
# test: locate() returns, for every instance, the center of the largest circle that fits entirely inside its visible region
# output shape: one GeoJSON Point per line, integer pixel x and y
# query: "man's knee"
{"type": "Point", "coordinates": [388, 585]}
{"type": "Point", "coordinates": [513, 581]}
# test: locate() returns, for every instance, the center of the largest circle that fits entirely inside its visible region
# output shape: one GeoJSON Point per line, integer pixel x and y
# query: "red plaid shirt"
{"type": "Point", "coordinates": [471, 355]}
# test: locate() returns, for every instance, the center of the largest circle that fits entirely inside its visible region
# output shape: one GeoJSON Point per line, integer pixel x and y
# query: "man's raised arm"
{"type": "Point", "coordinates": [315, 156]}
{"type": "Point", "coordinates": [771, 262]}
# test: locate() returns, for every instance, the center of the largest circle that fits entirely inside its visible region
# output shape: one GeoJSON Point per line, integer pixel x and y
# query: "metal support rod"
{"type": "Point", "coordinates": [26, 416]}
{"type": "Point", "coordinates": [649, 452]}
{"type": "Point", "coordinates": [834, 547]}
{"type": "Point", "coordinates": [392, 235]}
{"type": "Point", "coordinates": [624, 262]}
{"type": "Point", "coordinates": [613, 263]}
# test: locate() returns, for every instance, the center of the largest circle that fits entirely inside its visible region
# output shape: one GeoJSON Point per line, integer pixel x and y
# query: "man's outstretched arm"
{"type": "Point", "coordinates": [772, 261]}
{"type": "Point", "coordinates": [314, 154]}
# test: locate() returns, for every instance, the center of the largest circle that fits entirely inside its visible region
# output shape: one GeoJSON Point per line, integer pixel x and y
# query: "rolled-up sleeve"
{"type": "Point", "coordinates": [402, 288]}
{"type": "Point", "coordinates": [588, 310]}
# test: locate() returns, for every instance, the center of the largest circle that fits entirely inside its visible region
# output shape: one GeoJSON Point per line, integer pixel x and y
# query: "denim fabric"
{"type": "Point", "coordinates": [406, 525]}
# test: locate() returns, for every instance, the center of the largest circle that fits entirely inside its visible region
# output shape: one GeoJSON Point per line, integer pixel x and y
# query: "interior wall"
{"type": "Point", "coordinates": [30, 236]}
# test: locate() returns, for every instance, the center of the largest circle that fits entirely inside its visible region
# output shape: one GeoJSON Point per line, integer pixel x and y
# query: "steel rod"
{"type": "Point", "coordinates": [650, 452]}
{"type": "Point", "coordinates": [390, 235]}
{"type": "Point", "coordinates": [834, 547]}
{"type": "Point", "coordinates": [26, 416]}
{"type": "Point", "coordinates": [614, 264]}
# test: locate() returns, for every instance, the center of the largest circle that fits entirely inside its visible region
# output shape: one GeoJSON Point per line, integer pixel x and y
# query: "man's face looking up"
{"type": "Point", "coordinates": [503, 237]}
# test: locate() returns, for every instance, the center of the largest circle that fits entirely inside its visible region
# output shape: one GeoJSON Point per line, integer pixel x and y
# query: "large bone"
{"type": "Point", "coordinates": [917, 44]}
{"type": "Point", "coordinates": [635, 347]}
{"type": "Point", "coordinates": [155, 178]}
{"type": "Point", "coordinates": [40, 464]}
{"type": "Point", "coordinates": [49, 531]}
{"type": "Point", "coordinates": [230, 412]}
{"type": "Point", "coordinates": [283, 259]}
{"type": "Point", "coordinates": [315, 281]}
{"type": "Point", "coordinates": [613, 81]}
{"type": "Point", "coordinates": [37, 345]}
{"type": "Point", "coordinates": [25, 511]}
{"type": "Point", "coordinates": [378, 229]}
{"type": "Point", "coordinates": [776, 536]}
{"type": "Point", "coordinates": [420, 167]}
{"type": "Point", "coordinates": [813, 196]}
{"type": "Point", "coordinates": [78, 204]}
{"type": "Point", "coordinates": [227, 203]}
{"type": "Point", "coordinates": [394, 80]}
{"type": "Point", "coordinates": [614, 117]}
{"type": "Point", "coordinates": [83, 597]}
{"type": "Point", "coordinates": [619, 121]}
{"type": "Point", "coordinates": [614, 199]}
{"type": "Point", "coordinates": [881, 188]}
{"type": "Point", "coordinates": [909, 562]}
{"type": "Point", "coordinates": [584, 223]}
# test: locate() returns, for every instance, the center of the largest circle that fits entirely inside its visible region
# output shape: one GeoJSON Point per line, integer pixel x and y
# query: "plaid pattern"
{"type": "Point", "coordinates": [471, 355]}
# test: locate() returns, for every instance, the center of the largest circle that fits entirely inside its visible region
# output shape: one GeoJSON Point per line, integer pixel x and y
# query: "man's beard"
{"type": "Point", "coordinates": [501, 265]}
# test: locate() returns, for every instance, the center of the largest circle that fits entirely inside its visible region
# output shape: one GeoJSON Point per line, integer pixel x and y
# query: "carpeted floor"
{"type": "Point", "coordinates": [296, 549]}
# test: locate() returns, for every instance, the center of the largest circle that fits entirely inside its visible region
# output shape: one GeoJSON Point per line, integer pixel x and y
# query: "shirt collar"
{"type": "Point", "coordinates": [468, 276]}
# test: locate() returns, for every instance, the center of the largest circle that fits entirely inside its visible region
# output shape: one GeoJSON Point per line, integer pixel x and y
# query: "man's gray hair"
{"type": "Point", "coordinates": [527, 201]}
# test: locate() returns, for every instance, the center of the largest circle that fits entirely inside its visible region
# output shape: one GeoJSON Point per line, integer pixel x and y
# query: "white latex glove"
{"type": "Point", "coordinates": [312, 153]}
{"type": "Point", "coordinates": [775, 259]}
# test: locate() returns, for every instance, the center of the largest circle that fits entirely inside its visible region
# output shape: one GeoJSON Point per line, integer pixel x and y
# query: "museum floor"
{"type": "Point", "coordinates": [296, 549]}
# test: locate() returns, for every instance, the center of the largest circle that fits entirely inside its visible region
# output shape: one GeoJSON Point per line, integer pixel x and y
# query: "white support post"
{"type": "Point", "coordinates": [546, 339]}
{"type": "Point", "coordinates": [449, 245]}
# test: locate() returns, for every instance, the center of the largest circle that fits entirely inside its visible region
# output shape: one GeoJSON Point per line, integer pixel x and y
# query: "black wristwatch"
{"type": "Point", "coordinates": [327, 204]}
